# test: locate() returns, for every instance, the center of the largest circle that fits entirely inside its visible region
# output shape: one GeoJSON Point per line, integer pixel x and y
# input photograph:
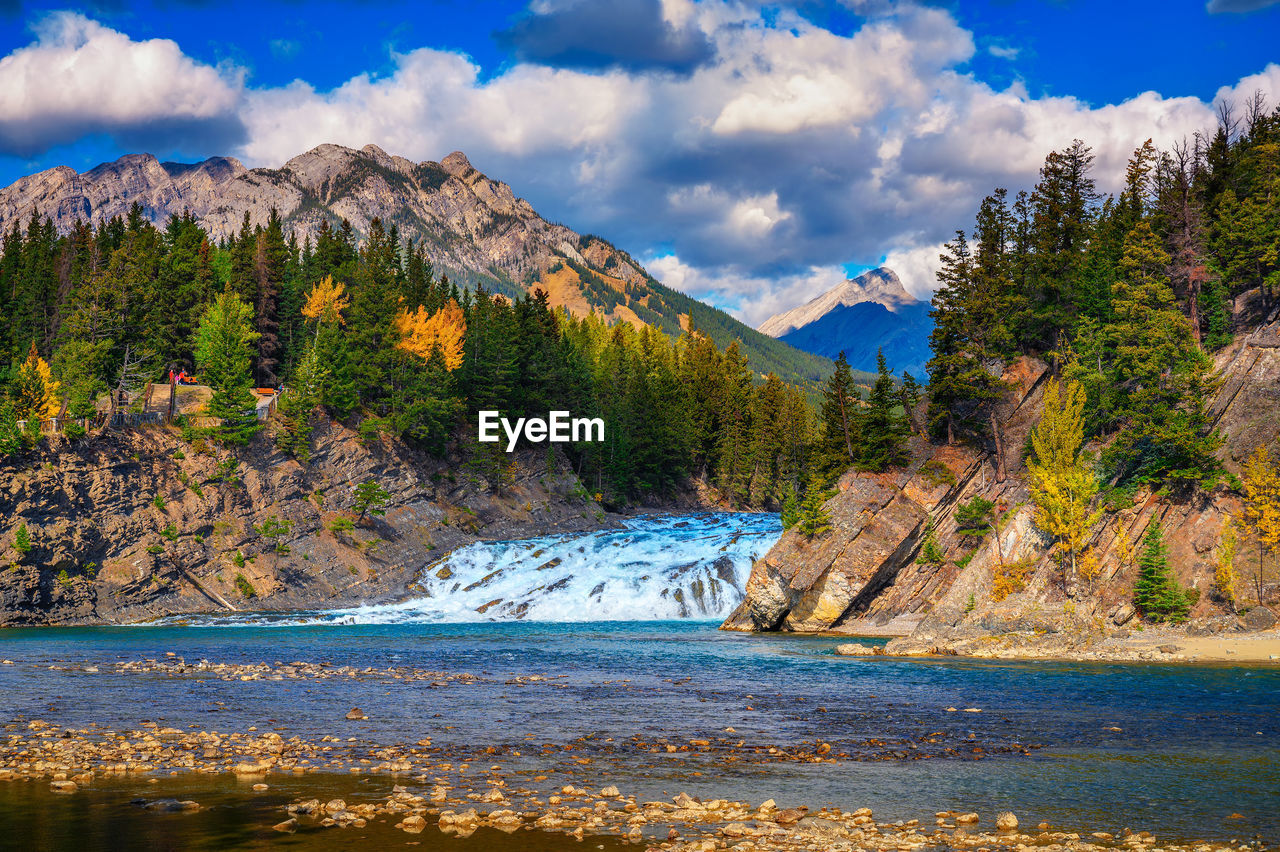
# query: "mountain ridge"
{"type": "Point", "coordinates": [880, 285]}
{"type": "Point", "coordinates": [474, 228]}
{"type": "Point", "coordinates": [860, 317]}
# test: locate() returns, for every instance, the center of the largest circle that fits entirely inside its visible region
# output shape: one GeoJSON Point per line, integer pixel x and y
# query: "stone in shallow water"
{"type": "Point", "coordinates": [855, 649]}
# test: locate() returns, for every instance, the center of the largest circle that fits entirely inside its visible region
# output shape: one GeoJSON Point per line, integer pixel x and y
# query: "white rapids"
{"type": "Point", "coordinates": [654, 568]}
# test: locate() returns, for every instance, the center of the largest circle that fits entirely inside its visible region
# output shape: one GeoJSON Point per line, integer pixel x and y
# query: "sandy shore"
{"type": "Point", "coordinates": [1151, 644]}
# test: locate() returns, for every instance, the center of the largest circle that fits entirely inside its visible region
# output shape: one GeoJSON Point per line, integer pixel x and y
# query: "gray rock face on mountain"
{"type": "Point", "coordinates": [472, 226]}
{"type": "Point", "coordinates": [881, 286]}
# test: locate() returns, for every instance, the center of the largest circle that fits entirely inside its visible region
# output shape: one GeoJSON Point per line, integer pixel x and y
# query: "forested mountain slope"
{"type": "Point", "coordinates": [468, 227]}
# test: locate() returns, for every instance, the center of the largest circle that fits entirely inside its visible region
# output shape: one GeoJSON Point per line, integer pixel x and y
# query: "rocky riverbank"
{"type": "Point", "coordinates": [459, 790]}
{"type": "Point", "coordinates": [140, 523]}
{"type": "Point", "coordinates": [1154, 644]}
{"type": "Point", "coordinates": [1006, 593]}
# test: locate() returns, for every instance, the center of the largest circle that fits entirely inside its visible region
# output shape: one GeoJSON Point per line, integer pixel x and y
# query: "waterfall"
{"type": "Point", "coordinates": [654, 568]}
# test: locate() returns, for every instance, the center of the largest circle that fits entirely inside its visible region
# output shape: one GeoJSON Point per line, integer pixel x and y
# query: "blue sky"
{"type": "Point", "coordinates": [750, 153]}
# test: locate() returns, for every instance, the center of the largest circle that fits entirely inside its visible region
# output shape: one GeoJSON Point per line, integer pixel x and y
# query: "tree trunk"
{"type": "Point", "coordinates": [995, 431]}
{"type": "Point", "coordinates": [1195, 308]}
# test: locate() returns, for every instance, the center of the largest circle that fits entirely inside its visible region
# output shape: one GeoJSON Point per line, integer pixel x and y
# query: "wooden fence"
{"type": "Point", "coordinates": [125, 419]}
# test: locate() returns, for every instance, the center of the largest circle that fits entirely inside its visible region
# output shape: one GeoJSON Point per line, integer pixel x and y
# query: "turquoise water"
{"type": "Point", "coordinates": [1195, 744]}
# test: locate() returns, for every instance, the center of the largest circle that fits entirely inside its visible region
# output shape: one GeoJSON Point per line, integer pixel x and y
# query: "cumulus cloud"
{"type": "Point", "coordinates": [80, 77]}
{"type": "Point", "coordinates": [761, 172]}
{"type": "Point", "coordinates": [593, 34]}
{"type": "Point", "coordinates": [750, 298]}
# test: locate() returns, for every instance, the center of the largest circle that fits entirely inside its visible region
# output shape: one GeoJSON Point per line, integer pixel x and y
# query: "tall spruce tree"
{"type": "Point", "coordinates": [224, 354]}
{"type": "Point", "coordinates": [884, 432]}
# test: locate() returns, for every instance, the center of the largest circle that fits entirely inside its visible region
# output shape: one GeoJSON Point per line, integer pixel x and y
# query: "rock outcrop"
{"type": "Point", "coordinates": [139, 523]}
{"type": "Point", "coordinates": [866, 576]}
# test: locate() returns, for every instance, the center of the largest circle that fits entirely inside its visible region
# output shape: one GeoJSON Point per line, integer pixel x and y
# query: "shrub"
{"type": "Point", "coordinates": [936, 473]}
{"type": "Point", "coordinates": [158, 500]}
{"type": "Point", "coordinates": [1010, 578]}
{"type": "Point", "coordinates": [244, 587]}
{"type": "Point", "coordinates": [341, 524]}
{"type": "Point", "coordinates": [930, 551]}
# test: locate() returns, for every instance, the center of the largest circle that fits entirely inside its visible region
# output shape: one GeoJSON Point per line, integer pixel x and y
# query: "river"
{"type": "Point", "coordinates": [1190, 751]}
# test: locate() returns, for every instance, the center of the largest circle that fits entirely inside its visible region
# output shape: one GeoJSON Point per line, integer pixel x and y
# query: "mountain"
{"type": "Point", "coordinates": [476, 230]}
{"type": "Point", "coordinates": [858, 317]}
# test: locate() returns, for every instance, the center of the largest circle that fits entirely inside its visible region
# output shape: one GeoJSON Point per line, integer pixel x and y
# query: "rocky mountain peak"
{"type": "Point", "coordinates": [880, 285]}
{"type": "Point", "coordinates": [457, 164]}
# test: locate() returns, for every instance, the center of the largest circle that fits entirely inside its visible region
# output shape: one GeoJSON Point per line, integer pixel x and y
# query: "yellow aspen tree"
{"type": "Point", "coordinates": [326, 302]}
{"type": "Point", "coordinates": [1224, 575]}
{"type": "Point", "coordinates": [421, 333]}
{"type": "Point", "coordinates": [1062, 484]}
{"type": "Point", "coordinates": [1262, 505]}
{"type": "Point", "coordinates": [35, 393]}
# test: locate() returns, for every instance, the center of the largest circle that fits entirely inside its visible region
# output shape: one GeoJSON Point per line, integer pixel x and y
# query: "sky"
{"type": "Point", "coordinates": [751, 154]}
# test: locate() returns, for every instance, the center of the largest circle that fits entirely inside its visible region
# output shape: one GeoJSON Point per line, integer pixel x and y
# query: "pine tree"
{"type": "Point", "coordinates": [841, 435]}
{"type": "Point", "coordinates": [224, 354]}
{"type": "Point", "coordinates": [884, 433]}
{"type": "Point", "coordinates": [966, 336]}
{"type": "Point", "coordinates": [813, 519]}
{"type": "Point", "coordinates": [297, 404]}
{"type": "Point", "coordinates": [973, 518]}
{"type": "Point", "coordinates": [371, 498]}
{"type": "Point", "coordinates": [790, 514]}
{"type": "Point", "coordinates": [1156, 594]}
{"type": "Point", "coordinates": [22, 539]}
{"type": "Point", "coordinates": [1159, 378]}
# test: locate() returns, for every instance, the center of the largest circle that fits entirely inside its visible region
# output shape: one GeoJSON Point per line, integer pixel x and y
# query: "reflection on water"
{"type": "Point", "coordinates": [105, 818]}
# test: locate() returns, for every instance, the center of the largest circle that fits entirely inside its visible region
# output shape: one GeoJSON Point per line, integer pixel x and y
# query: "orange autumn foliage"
{"type": "Point", "coordinates": [421, 333]}
{"type": "Point", "coordinates": [326, 301]}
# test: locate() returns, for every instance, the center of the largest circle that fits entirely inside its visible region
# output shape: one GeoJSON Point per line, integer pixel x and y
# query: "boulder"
{"type": "Point", "coordinates": [855, 649]}
{"type": "Point", "coordinates": [1259, 618]}
{"type": "Point", "coordinates": [1006, 821]}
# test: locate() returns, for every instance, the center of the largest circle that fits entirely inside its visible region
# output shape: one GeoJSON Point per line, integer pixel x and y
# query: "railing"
{"type": "Point", "coordinates": [124, 419]}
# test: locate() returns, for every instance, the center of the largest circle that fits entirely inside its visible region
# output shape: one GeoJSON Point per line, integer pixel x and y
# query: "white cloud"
{"type": "Point", "coordinates": [750, 298]}
{"type": "Point", "coordinates": [80, 77]}
{"type": "Point", "coordinates": [792, 153]}
{"type": "Point", "coordinates": [917, 268]}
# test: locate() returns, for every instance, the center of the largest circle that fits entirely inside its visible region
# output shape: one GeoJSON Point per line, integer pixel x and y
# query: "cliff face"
{"type": "Point", "coordinates": [865, 576]}
{"type": "Point", "coordinates": [135, 524]}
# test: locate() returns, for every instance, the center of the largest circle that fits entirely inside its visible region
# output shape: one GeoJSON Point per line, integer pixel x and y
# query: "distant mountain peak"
{"type": "Point", "coordinates": [880, 285]}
